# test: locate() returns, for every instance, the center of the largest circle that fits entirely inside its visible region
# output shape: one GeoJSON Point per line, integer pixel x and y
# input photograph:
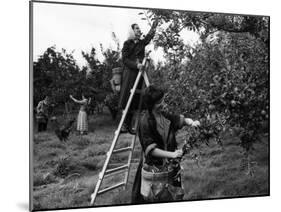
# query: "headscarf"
{"type": "Point", "coordinates": [131, 33]}
{"type": "Point", "coordinates": [151, 96]}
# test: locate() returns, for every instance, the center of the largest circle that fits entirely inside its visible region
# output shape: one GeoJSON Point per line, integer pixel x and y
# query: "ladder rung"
{"type": "Point", "coordinates": [122, 150]}
{"type": "Point", "coordinates": [114, 173]}
{"type": "Point", "coordinates": [111, 188]}
{"type": "Point", "coordinates": [117, 169]}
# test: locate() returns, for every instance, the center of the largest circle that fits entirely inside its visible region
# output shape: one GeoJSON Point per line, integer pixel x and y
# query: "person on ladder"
{"type": "Point", "coordinates": [133, 52]}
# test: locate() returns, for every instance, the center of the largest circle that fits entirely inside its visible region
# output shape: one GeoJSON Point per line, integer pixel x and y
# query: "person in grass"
{"type": "Point", "coordinates": [42, 115]}
{"type": "Point", "coordinates": [82, 121]}
{"type": "Point", "coordinates": [133, 52]}
{"type": "Point", "coordinates": [157, 138]}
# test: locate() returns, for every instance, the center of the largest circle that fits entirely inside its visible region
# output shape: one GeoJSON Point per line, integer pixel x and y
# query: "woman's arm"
{"type": "Point", "coordinates": [39, 107]}
{"type": "Point", "coordinates": [156, 152]}
{"type": "Point", "coordinates": [178, 121]}
{"type": "Point", "coordinates": [151, 33]}
{"type": "Point", "coordinates": [188, 121]}
{"type": "Point", "coordinates": [77, 101]}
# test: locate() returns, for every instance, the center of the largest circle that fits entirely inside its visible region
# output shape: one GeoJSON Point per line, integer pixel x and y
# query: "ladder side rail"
{"type": "Point", "coordinates": [130, 158]}
{"type": "Point", "coordinates": [145, 77]}
{"type": "Point", "coordinates": [144, 74]}
{"type": "Point", "coordinates": [134, 139]}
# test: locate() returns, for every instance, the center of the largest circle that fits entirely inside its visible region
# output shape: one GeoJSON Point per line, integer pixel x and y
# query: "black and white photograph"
{"type": "Point", "coordinates": [133, 105]}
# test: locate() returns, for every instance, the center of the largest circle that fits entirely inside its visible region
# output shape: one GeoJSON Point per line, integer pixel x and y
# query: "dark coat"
{"type": "Point", "coordinates": [131, 53]}
{"type": "Point", "coordinates": [150, 138]}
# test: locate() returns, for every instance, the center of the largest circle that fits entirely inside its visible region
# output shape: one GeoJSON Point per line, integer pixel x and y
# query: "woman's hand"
{"type": "Point", "coordinates": [195, 124]}
{"type": "Point", "coordinates": [155, 23]}
{"type": "Point", "coordinates": [178, 153]}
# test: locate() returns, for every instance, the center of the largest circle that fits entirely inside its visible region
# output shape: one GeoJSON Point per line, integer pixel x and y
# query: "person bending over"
{"type": "Point", "coordinates": [158, 141]}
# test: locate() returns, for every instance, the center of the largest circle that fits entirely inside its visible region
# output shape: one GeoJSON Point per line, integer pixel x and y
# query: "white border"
{"type": "Point", "coordinates": [15, 104]}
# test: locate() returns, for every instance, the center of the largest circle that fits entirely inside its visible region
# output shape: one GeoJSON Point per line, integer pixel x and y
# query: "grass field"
{"type": "Point", "coordinates": [65, 173]}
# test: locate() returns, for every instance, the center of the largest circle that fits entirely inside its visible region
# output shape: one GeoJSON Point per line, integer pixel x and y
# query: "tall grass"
{"type": "Point", "coordinates": [65, 173]}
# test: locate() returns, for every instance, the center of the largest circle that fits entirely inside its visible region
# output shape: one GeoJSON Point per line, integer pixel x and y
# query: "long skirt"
{"type": "Point", "coordinates": [82, 122]}
{"type": "Point", "coordinates": [136, 197]}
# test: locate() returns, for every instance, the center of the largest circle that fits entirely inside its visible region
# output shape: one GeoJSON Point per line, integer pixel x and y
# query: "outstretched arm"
{"type": "Point", "coordinates": [178, 121]}
{"type": "Point", "coordinates": [151, 33]}
{"type": "Point", "coordinates": [77, 101]}
{"type": "Point", "coordinates": [38, 108]}
{"type": "Point", "coordinates": [166, 154]}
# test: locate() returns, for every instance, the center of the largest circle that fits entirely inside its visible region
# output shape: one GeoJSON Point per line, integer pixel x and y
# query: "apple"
{"type": "Point", "coordinates": [253, 85]}
{"type": "Point", "coordinates": [241, 95]}
{"type": "Point", "coordinates": [233, 103]}
{"type": "Point", "coordinates": [211, 107]}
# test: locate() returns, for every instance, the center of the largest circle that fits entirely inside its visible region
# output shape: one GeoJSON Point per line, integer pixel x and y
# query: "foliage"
{"type": "Point", "coordinates": [101, 73]}
{"type": "Point", "coordinates": [208, 23]}
{"type": "Point", "coordinates": [56, 74]}
{"type": "Point", "coordinates": [111, 101]}
{"type": "Point", "coordinates": [223, 80]}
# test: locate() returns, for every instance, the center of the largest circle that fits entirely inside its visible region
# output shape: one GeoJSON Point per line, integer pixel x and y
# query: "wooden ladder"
{"type": "Point", "coordinates": [126, 167]}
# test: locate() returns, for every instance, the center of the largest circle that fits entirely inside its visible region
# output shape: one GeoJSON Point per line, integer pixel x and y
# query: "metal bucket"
{"type": "Point", "coordinates": [158, 186]}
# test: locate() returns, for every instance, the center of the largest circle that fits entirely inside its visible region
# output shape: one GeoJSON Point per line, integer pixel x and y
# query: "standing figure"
{"type": "Point", "coordinates": [156, 180]}
{"type": "Point", "coordinates": [42, 115]}
{"type": "Point", "coordinates": [82, 121]}
{"type": "Point", "coordinates": [133, 52]}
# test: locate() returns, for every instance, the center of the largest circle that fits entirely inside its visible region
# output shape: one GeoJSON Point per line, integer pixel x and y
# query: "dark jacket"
{"type": "Point", "coordinates": [131, 52]}
{"type": "Point", "coordinates": [151, 135]}
{"type": "Point", "coordinates": [151, 138]}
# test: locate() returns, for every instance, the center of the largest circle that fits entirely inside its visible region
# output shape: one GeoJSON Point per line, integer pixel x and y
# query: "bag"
{"type": "Point", "coordinates": [158, 186]}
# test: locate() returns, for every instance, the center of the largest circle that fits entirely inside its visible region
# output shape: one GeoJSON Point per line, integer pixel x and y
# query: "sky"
{"type": "Point", "coordinates": [79, 28]}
